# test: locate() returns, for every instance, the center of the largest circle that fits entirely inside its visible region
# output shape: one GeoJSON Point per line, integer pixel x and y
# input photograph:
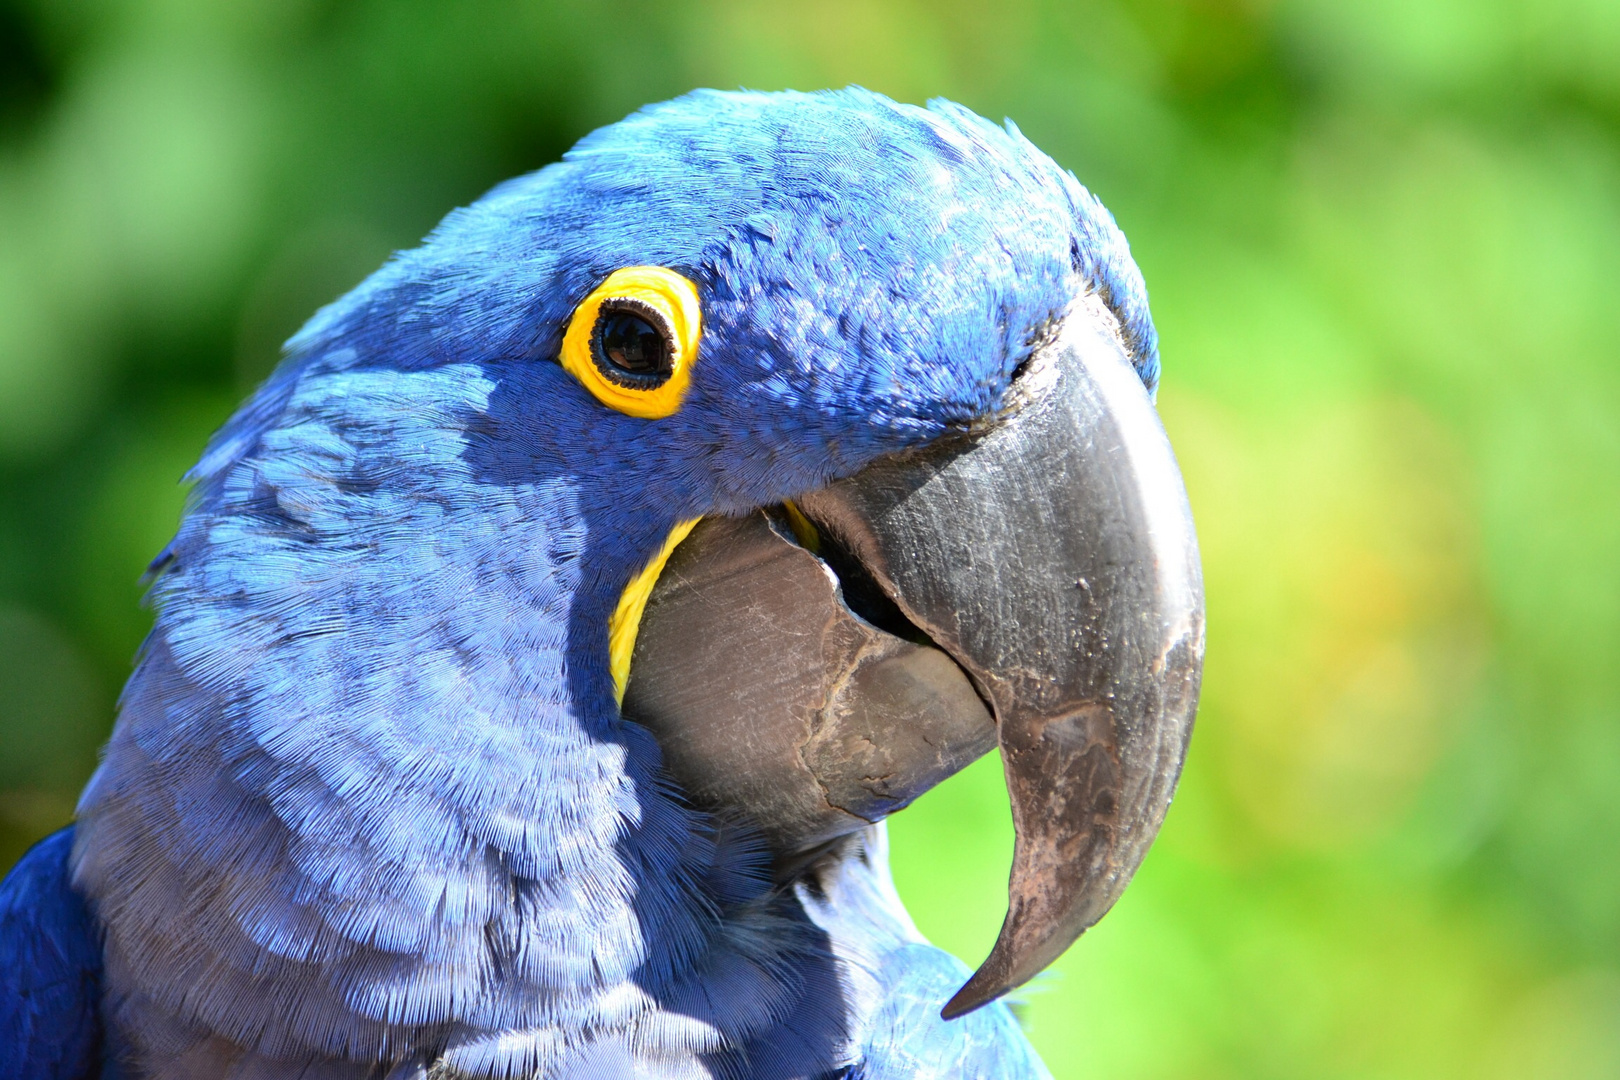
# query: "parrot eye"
{"type": "Point", "coordinates": [632, 341]}
{"type": "Point", "coordinates": [632, 345]}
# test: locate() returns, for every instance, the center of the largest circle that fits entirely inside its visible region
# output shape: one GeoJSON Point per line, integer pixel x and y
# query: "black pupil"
{"type": "Point", "coordinates": [631, 344]}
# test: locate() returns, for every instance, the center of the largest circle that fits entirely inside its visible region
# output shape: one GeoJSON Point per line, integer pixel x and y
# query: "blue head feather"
{"type": "Point", "coordinates": [369, 790]}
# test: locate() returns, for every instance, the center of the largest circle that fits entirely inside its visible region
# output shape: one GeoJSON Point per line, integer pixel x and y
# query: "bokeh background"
{"type": "Point", "coordinates": [1382, 239]}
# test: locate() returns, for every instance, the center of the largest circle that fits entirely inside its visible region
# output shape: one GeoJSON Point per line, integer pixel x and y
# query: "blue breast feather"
{"type": "Point", "coordinates": [50, 970]}
{"type": "Point", "coordinates": [369, 803]}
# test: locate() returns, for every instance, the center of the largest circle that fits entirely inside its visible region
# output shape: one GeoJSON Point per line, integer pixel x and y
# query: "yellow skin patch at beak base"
{"type": "Point", "coordinates": [626, 620]}
{"type": "Point", "coordinates": [804, 531]}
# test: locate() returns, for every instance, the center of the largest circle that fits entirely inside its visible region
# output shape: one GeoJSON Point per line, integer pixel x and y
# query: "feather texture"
{"type": "Point", "coordinates": [50, 970]}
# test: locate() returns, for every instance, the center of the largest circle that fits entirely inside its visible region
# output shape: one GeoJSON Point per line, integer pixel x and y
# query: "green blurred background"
{"type": "Point", "coordinates": [1382, 239]}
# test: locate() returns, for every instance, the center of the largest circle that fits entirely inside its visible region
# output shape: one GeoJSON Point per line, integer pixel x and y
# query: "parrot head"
{"type": "Point", "coordinates": [894, 363]}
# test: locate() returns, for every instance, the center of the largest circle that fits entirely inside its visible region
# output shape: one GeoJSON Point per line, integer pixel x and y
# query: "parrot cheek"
{"type": "Point", "coordinates": [1033, 585]}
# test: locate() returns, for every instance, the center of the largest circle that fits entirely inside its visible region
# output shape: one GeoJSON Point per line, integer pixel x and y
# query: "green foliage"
{"type": "Point", "coordinates": [1383, 241]}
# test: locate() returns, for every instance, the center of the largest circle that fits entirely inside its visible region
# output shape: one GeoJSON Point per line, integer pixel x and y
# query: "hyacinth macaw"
{"type": "Point", "coordinates": [444, 760]}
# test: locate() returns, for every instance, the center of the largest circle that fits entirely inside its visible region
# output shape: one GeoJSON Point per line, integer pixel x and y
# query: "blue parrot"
{"type": "Point", "coordinates": [471, 738]}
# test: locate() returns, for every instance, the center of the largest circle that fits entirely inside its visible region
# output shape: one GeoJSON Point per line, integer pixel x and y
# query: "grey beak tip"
{"type": "Point", "coordinates": [966, 1000]}
{"type": "Point", "coordinates": [990, 982]}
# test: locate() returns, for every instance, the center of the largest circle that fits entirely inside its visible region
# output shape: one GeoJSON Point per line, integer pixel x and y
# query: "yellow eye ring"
{"type": "Point", "coordinates": [633, 340]}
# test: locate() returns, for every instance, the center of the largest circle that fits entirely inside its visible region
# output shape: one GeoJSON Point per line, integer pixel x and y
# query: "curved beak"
{"type": "Point", "coordinates": [1034, 585]}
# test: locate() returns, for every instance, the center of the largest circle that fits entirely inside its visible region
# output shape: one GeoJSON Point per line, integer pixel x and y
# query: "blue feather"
{"type": "Point", "coordinates": [50, 970]}
{"type": "Point", "coordinates": [906, 982]}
